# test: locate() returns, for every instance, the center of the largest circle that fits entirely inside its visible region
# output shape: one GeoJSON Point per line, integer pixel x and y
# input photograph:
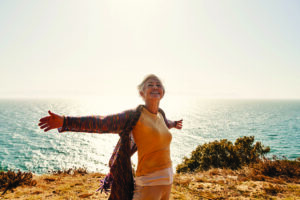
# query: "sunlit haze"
{"type": "Point", "coordinates": [208, 49]}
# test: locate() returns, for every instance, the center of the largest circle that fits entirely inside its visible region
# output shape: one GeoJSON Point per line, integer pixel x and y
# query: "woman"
{"type": "Point", "coordinates": [144, 129]}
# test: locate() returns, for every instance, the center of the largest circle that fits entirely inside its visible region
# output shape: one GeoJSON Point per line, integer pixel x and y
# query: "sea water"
{"type": "Point", "coordinates": [24, 146]}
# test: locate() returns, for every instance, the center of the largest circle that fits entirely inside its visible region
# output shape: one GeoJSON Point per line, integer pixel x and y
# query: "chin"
{"type": "Point", "coordinates": [156, 97]}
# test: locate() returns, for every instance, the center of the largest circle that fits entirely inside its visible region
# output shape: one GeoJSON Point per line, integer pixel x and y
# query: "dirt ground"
{"type": "Point", "coordinates": [213, 184]}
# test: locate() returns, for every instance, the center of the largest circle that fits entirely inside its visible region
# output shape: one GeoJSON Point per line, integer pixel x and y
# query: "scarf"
{"type": "Point", "coordinates": [120, 177]}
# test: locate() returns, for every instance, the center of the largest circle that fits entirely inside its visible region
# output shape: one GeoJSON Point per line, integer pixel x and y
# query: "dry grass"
{"type": "Point", "coordinates": [60, 186]}
{"type": "Point", "coordinates": [213, 184]}
{"type": "Point", "coordinates": [229, 184]}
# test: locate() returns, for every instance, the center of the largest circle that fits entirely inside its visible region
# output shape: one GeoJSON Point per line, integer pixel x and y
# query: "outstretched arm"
{"type": "Point", "coordinates": [171, 124]}
{"type": "Point", "coordinates": [175, 124]}
{"type": "Point", "coordinates": [92, 124]}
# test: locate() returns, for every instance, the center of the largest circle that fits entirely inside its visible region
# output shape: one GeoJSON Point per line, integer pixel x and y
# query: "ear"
{"type": "Point", "coordinates": [142, 94]}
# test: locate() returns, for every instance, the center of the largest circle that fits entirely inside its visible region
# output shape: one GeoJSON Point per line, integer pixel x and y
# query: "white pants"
{"type": "Point", "coordinates": [156, 192]}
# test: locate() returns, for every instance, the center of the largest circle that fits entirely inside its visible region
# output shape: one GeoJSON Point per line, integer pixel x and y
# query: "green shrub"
{"type": "Point", "coordinates": [223, 154]}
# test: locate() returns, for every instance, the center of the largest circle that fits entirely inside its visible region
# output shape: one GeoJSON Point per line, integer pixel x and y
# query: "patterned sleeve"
{"type": "Point", "coordinates": [96, 124]}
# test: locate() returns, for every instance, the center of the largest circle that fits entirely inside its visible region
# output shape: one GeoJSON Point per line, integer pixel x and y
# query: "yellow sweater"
{"type": "Point", "coordinates": [153, 139]}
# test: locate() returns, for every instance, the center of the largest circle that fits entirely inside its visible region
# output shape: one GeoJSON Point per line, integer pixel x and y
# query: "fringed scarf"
{"type": "Point", "coordinates": [119, 181]}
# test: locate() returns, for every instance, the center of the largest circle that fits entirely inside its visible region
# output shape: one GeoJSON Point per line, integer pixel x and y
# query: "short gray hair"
{"type": "Point", "coordinates": [142, 84]}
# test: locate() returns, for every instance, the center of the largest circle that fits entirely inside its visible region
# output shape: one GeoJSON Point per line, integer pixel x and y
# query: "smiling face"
{"type": "Point", "coordinates": [153, 90]}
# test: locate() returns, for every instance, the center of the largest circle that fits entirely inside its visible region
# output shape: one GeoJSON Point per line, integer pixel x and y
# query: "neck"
{"type": "Point", "coordinates": [152, 106]}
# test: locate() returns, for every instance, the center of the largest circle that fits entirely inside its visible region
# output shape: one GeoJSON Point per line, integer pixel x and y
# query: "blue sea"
{"type": "Point", "coordinates": [275, 123]}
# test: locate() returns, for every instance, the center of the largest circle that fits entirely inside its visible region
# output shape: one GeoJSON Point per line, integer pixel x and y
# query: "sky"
{"type": "Point", "coordinates": [207, 49]}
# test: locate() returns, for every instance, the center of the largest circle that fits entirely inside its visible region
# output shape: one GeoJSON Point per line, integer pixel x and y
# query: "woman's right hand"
{"type": "Point", "coordinates": [51, 122]}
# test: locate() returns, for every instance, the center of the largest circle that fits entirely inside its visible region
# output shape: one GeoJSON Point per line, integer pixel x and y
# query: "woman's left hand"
{"type": "Point", "coordinates": [178, 124]}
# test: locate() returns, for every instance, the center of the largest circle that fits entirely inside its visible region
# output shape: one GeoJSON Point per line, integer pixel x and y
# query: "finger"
{"type": "Point", "coordinates": [44, 126]}
{"type": "Point", "coordinates": [42, 123]}
{"type": "Point", "coordinates": [179, 126]}
{"type": "Point", "coordinates": [51, 113]}
{"type": "Point", "coordinates": [47, 129]}
{"type": "Point", "coordinates": [41, 126]}
{"type": "Point", "coordinates": [44, 119]}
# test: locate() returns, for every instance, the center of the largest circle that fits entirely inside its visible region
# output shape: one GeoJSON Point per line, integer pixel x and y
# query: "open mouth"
{"type": "Point", "coordinates": [154, 92]}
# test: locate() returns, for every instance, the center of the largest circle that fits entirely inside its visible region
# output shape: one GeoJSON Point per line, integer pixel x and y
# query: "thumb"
{"type": "Point", "coordinates": [50, 113]}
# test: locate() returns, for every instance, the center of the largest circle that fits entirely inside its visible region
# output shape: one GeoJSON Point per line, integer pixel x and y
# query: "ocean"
{"type": "Point", "coordinates": [24, 146]}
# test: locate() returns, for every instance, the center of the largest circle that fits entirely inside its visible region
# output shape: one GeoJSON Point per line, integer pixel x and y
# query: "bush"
{"type": "Point", "coordinates": [223, 154]}
{"type": "Point", "coordinates": [278, 167]}
{"type": "Point", "coordinates": [71, 171]}
{"type": "Point", "coordinates": [10, 180]}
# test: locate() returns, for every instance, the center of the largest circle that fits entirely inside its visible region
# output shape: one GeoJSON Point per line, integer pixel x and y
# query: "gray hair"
{"type": "Point", "coordinates": [142, 84]}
